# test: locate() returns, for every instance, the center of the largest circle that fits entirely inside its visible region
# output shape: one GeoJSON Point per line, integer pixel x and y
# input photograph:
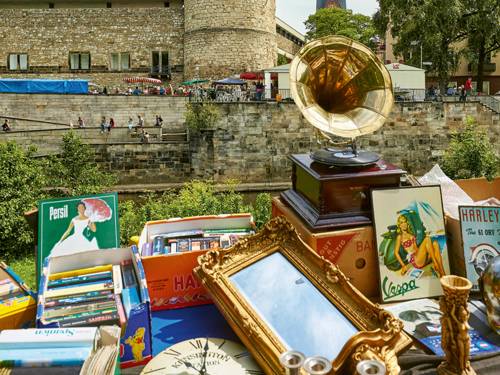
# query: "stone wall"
{"type": "Point", "coordinates": [287, 45]}
{"type": "Point", "coordinates": [251, 141]}
{"type": "Point", "coordinates": [228, 36]}
{"type": "Point", "coordinates": [49, 35]}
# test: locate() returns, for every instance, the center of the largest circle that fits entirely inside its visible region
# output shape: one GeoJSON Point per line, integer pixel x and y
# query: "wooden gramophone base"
{"type": "Point", "coordinates": [321, 222]}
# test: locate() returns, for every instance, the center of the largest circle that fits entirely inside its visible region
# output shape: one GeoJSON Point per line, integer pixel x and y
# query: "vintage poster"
{"type": "Point", "coordinates": [70, 225]}
{"type": "Point", "coordinates": [480, 227]}
{"type": "Point", "coordinates": [411, 242]}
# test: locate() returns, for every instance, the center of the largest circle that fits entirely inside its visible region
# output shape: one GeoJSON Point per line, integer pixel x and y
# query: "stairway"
{"type": "Point", "coordinates": [490, 102]}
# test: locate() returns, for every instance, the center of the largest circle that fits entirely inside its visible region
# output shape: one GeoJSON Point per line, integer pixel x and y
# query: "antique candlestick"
{"type": "Point", "coordinates": [370, 367]}
{"type": "Point", "coordinates": [317, 365]}
{"type": "Point", "coordinates": [455, 339]}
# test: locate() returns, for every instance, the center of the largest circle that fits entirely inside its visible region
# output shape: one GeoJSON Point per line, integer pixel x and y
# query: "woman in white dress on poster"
{"type": "Point", "coordinates": [70, 244]}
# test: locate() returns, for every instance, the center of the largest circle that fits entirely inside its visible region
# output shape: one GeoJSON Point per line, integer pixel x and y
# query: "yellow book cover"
{"type": "Point", "coordinates": [82, 271]}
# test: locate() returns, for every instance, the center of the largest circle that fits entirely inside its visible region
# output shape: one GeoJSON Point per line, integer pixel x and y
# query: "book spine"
{"type": "Point", "coordinates": [92, 321]}
{"type": "Point", "coordinates": [83, 315]}
{"type": "Point", "coordinates": [78, 290]}
{"type": "Point", "coordinates": [121, 311]}
{"type": "Point", "coordinates": [9, 289]}
{"type": "Point", "coordinates": [77, 298]}
{"type": "Point", "coordinates": [128, 275]}
{"type": "Point", "coordinates": [117, 279]}
{"type": "Point", "coordinates": [83, 284]}
{"type": "Point", "coordinates": [69, 310]}
{"type": "Point", "coordinates": [24, 338]}
{"type": "Point", "coordinates": [80, 272]}
{"type": "Point", "coordinates": [147, 249]}
{"type": "Point", "coordinates": [79, 279]}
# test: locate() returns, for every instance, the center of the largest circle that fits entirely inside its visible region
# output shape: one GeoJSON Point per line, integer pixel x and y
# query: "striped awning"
{"type": "Point", "coordinates": [142, 80]}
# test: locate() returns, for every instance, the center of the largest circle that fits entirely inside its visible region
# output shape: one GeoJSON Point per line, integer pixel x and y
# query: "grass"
{"type": "Point", "coordinates": [25, 268]}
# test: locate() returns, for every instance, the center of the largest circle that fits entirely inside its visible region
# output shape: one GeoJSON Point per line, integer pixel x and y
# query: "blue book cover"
{"type": "Point", "coordinates": [85, 283]}
{"type": "Point", "coordinates": [44, 357]}
{"type": "Point", "coordinates": [79, 279]}
{"type": "Point", "coordinates": [130, 299]}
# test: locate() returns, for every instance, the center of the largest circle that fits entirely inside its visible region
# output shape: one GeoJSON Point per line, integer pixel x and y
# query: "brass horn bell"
{"type": "Point", "coordinates": [343, 90]}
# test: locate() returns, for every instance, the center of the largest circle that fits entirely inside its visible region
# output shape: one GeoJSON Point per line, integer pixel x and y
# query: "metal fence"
{"type": "Point", "coordinates": [237, 94]}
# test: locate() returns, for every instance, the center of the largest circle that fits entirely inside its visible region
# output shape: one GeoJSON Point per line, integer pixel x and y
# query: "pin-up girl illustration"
{"type": "Point", "coordinates": [409, 245]}
{"type": "Point", "coordinates": [80, 234]}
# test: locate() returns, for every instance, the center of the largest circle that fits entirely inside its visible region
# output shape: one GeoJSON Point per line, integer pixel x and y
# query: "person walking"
{"type": "Point", "coordinates": [468, 86]}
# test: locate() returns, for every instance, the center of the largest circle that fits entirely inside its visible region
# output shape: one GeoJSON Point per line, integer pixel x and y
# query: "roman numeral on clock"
{"type": "Point", "coordinates": [172, 352]}
{"type": "Point", "coordinates": [197, 344]}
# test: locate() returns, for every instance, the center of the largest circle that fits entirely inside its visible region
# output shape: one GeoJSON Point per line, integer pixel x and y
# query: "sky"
{"type": "Point", "coordinates": [295, 12]}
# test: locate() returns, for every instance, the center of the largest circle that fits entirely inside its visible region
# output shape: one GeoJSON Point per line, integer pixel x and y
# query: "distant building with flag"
{"type": "Point", "coordinates": [330, 4]}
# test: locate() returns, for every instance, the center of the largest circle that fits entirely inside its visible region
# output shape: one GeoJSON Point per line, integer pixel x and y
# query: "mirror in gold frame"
{"type": "Point", "coordinates": [278, 294]}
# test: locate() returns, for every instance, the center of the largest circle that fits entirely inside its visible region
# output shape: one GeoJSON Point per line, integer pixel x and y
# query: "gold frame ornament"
{"type": "Point", "coordinates": [380, 335]}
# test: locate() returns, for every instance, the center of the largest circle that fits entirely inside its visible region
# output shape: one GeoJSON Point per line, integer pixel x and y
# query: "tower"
{"type": "Point", "coordinates": [224, 37]}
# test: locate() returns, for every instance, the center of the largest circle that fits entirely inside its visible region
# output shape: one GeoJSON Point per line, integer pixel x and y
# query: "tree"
{"type": "Point", "coordinates": [435, 24]}
{"type": "Point", "coordinates": [21, 186]}
{"type": "Point", "coordinates": [75, 171]}
{"type": "Point", "coordinates": [336, 21]}
{"type": "Point", "coordinates": [482, 19]}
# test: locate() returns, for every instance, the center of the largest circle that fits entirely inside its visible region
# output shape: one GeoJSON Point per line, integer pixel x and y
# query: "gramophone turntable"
{"type": "Point", "coordinates": [343, 90]}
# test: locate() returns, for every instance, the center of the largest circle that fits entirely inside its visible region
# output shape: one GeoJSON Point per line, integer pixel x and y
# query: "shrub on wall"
{"type": "Point", "coordinates": [470, 154]}
{"type": "Point", "coordinates": [201, 116]}
{"type": "Point", "coordinates": [194, 199]}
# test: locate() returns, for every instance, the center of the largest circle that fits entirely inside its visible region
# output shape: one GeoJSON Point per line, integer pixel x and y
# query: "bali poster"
{"type": "Point", "coordinates": [480, 227]}
{"type": "Point", "coordinates": [70, 225]}
{"type": "Point", "coordinates": [411, 242]}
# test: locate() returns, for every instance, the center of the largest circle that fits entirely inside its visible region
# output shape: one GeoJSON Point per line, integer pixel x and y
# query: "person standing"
{"type": "Point", "coordinates": [6, 127]}
{"type": "Point", "coordinates": [80, 122]}
{"type": "Point", "coordinates": [140, 121]}
{"type": "Point", "coordinates": [111, 124]}
{"type": "Point", "coordinates": [130, 124]}
{"type": "Point", "coordinates": [463, 94]}
{"type": "Point", "coordinates": [468, 86]}
{"type": "Point", "coordinates": [103, 124]}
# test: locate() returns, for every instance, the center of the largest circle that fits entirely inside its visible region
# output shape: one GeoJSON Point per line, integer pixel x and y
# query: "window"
{"type": "Point", "coordinates": [51, 5]}
{"type": "Point", "coordinates": [120, 61]}
{"type": "Point", "coordinates": [108, 4]}
{"type": "Point", "coordinates": [159, 62]}
{"type": "Point", "coordinates": [18, 61]}
{"type": "Point", "coordinates": [166, 4]}
{"type": "Point", "coordinates": [79, 60]}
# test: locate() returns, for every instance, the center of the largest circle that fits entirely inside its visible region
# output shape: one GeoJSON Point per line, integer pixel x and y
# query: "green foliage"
{"type": "Point", "coordinates": [439, 26]}
{"type": "Point", "coordinates": [470, 154]}
{"type": "Point", "coordinates": [21, 186]}
{"type": "Point", "coordinates": [282, 60]}
{"type": "Point", "coordinates": [194, 199]}
{"type": "Point", "coordinates": [25, 269]}
{"type": "Point", "coordinates": [200, 116]}
{"type": "Point", "coordinates": [337, 21]}
{"type": "Point", "coordinates": [75, 171]}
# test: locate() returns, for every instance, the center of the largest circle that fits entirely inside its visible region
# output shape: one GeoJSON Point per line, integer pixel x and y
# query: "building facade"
{"type": "Point", "coordinates": [106, 41]}
{"type": "Point", "coordinates": [330, 4]}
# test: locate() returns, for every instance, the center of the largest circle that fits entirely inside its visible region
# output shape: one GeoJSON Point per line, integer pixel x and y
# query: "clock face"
{"type": "Point", "coordinates": [204, 356]}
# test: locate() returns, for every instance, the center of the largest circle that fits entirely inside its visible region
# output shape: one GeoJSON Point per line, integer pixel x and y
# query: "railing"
{"type": "Point", "coordinates": [411, 95]}
{"type": "Point", "coordinates": [237, 95]}
{"type": "Point", "coordinates": [490, 102]}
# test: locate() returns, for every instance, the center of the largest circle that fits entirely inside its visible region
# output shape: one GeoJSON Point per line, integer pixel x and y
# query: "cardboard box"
{"type": "Point", "coordinates": [478, 189]}
{"type": "Point", "coordinates": [353, 250]}
{"type": "Point", "coordinates": [17, 312]}
{"type": "Point", "coordinates": [170, 278]}
{"type": "Point", "coordinates": [135, 343]}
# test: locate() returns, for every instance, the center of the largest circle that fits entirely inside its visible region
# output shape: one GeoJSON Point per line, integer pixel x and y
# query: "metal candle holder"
{"type": "Point", "coordinates": [292, 361]}
{"type": "Point", "coordinates": [370, 367]}
{"type": "Point", "coordinates": [317, 365]}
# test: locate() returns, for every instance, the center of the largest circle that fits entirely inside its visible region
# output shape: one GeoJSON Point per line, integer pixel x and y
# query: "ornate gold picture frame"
{"type": "Point", "coordinates": [278, 295]}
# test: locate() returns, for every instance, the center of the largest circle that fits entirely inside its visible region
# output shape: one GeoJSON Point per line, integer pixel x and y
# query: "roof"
{"type": "Point", "coordinates": [402, 67]}
{"type": "Point", "coordinates": [279, 69]}
{"type": "Point", "coordinates": [290, 29]}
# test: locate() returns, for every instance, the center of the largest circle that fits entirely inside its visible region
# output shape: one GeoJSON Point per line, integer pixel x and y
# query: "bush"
{"type": "Point", "coordinates": [200, 116]}
{"type": "Point", "coordinates": [470, 154]}
{"type": "Point", "coordinates": [196, 198]}
{"type": "Point", "coordinates": [21, 186]}
{"type": "Point", "coordinates": [74, 170]}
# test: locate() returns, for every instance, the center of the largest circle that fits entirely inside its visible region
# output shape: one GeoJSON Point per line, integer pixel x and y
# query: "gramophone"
{"type": "Point", "coordinates": [344, 91]}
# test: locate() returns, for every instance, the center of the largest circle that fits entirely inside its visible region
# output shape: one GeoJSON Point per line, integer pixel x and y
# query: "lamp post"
{"type": "Point", "coordinates": [417, 42]}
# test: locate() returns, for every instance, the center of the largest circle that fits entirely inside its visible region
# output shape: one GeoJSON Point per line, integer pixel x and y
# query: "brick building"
{"type": "Point", "coordinates": [105, 41]}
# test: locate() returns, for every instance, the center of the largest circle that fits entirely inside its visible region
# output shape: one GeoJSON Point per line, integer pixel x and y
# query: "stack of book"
{"type": "Point", "coordinates": [192, 240]}
{"type": "Point", "coordinates": [10, 290]}
{"type": "Point", "coordinates": [68, 349]}
{"type": "Point", "coordinates": [95, 296]}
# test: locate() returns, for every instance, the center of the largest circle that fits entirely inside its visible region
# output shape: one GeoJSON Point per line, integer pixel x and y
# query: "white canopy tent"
{"type": "Point", "coordinates": [407, 81]}
{"type": "Point", "coordinates": [283, 72]}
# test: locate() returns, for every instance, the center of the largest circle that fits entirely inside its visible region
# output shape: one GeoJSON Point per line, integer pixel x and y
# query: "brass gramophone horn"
{"type": "Point", "coordinates": [343, 90]}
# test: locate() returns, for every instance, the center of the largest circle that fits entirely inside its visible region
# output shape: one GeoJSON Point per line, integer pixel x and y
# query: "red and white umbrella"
{"type": "Point", "coordinates": [153, 81]}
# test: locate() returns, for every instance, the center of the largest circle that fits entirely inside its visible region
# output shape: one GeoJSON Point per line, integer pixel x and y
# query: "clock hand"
{"type": "Point", "coordinates": [188, 364]}
{"type": "Point", "coordinates": [203, 370]}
